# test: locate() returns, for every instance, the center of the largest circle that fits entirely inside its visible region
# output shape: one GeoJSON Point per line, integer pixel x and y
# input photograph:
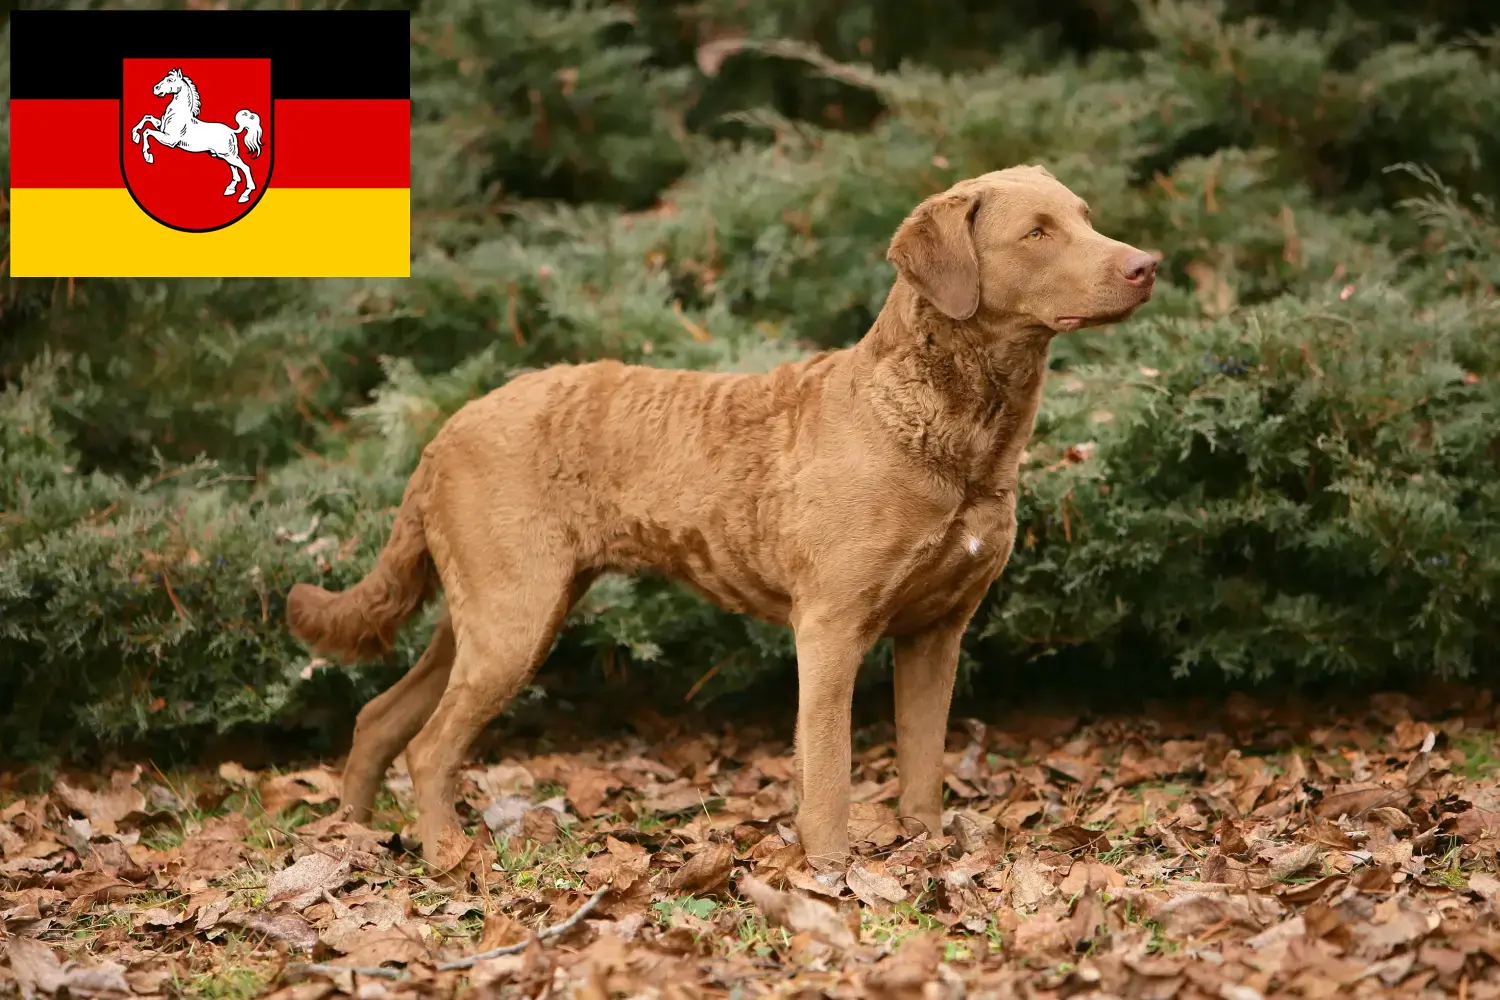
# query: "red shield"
{"type": "Point", "coordinates": [190, 132]}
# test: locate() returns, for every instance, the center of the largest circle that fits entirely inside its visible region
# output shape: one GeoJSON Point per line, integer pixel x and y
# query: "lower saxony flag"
{"type": "Point", "coordinates": [210, 143]}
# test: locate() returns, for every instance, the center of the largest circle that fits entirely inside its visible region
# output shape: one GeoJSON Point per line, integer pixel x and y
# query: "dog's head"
{"type": "Point", "coordinates": [1018, 244]}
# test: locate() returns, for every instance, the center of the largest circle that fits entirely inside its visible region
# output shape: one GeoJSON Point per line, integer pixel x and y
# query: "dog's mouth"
{"type": "Point", "coordinates": [1067, 324]}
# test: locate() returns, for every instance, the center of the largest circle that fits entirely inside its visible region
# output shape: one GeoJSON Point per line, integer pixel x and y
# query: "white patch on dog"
{"type": "Point", "coordinates": [974, 544]}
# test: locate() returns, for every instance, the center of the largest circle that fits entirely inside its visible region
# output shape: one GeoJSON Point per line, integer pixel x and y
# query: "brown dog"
{"type": "Point", "coordinates": [864, 492]}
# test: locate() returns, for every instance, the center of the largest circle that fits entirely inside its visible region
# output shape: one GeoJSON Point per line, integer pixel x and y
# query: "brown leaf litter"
{"type": "Point", "coordinates": [1237, 853]}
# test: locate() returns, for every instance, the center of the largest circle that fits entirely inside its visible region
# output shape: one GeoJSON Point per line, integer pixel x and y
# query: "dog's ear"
{"type": "Point", "coordinates": [934, 251]}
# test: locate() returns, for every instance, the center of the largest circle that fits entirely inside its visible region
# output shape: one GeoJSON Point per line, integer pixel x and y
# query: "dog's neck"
{"type": "Point", "coordinates": [964, 395]}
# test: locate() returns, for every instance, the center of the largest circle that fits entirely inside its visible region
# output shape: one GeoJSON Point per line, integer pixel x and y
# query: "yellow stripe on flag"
{"type": "Point", "coordinates": [292, 233]}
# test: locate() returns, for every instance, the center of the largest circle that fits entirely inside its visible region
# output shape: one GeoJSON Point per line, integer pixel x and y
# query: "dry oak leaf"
{"type": "Point", "coordinates": [333, 831]}
{"type": "Point", "coordinates": [345, 932]}
{"type": "Point", "coordinates": [873, 886]}
{"type": "Point", "coordinates": [970, 830]}
{"type": "Point", "coordinates": [105, 809]}
{"type": "Point", "coordinates": [503, 816]}
{"type": "Point", "coordinates": [1189, 914]}
{"type": "Point", "coordinates": [620, 866]}
{"type": "Point", "coordinates": [1487, 887]}
{"type": "Point", "coordinates": [827, 881]}
{"type": "Point", "coordinates": [507, 777]}
{"type": "Point", "coordinates": [706, 872]}
{"type": "Point", "coordinates": [1045, 931]}
{"type": "Point", "coordinates": [1090, 874]}
{"type": "Point", "coordinates": [588, 787]}
{"type": "Point", "coordinates": [286, 927]}
{"type": "Point", "coordinates": [501, 929]}
{"type": "Point", "coordinates": [1288, 862]}
{"type": "Point", "coordinates": [37, 969]}
{"type": "Point", "coordinates": [1018, 814]}
{"type": "Point", "coordinates": [1074, 838]}
{"type": "Point", "coordinates": [1028, 884]}
{"type": "Point", "coordinates": [540, 825]}
{"type": "Point", "coordinates": [1356, 801]}
{"type": "Point", "coordinates": [218, 847]}
{"type": "Point", "coordinates": [237, 774]}
{"type": "Point", "coordinates": [1397, 922]}
{"type": "Point", "coordinates": [875, 823]}
{"type": "Point", "coordinates": [313, 786]}
{"type": "Point", "coordinates": [680, 796]}
{"type": "Point", "coordinates": [1311, 892]}
{"type": "Point", "coordinates": [377, 945]}
{"type": "Point", "coordinates": [1326, 833]}
{"type": "Point", "coordinates": [798, 914]}
{"type": "Point", "coordinates": [914, 972]}
{"type": "Point", "coordinates": [158, 917]}
{"type": "Point", "coordinates": [301, 883]}
{"type": "Point", "coordinates": [1088, 914]}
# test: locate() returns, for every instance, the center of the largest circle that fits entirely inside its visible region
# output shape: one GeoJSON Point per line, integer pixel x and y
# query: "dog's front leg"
{"type": "Point", "coordinates": [926, 664]}
{"type": "Point", "coordinates": [829, 651]}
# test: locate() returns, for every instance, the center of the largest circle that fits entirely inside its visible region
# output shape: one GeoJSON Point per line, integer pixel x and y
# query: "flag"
{"type": "Point", "coordinates": [210, 143]}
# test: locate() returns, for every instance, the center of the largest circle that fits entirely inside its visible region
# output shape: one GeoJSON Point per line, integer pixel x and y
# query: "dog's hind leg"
{"type": "Point", "coordinates": [389, 721]}
{"type": "Point", "coordinates": [507, 607]}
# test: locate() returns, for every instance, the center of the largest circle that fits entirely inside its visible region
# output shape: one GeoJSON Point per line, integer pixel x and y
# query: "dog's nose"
{"type": "Point", "coordinates": [1139, 268]}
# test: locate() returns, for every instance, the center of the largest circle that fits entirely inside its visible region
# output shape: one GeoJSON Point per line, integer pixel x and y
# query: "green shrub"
{"type": "Point", "coordinates": [1282, 469]}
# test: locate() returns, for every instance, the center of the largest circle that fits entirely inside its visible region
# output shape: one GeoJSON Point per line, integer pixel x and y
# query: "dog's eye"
{"type": "Point", "coordinates": [1035, 234]}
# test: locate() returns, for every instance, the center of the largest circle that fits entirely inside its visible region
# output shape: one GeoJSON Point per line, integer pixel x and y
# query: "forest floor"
{"type": "Point", "coordinates": [1234, 851]}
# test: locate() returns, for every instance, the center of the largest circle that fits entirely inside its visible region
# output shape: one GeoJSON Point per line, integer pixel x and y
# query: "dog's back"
{"type": "Point", "coordinates": [643, 468]}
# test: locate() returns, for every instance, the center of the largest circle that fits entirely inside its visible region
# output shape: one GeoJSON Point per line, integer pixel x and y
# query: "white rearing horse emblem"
{"type": "Point", "coordinates": [179, 128]}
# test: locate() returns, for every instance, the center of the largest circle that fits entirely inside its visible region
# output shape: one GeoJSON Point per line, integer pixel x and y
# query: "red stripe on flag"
{"type": "Point", "coordinates": [343, 144]}
{"type": "Point", "coordinates": [318, 144]}
{"type": "Point", "coordinates": [65, 144]}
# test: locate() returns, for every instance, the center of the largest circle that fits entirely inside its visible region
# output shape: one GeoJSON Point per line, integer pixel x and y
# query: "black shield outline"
{"type": "Point", "coordinates": [265, 185]}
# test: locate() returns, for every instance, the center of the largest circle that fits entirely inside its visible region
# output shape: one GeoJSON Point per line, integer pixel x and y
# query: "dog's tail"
{"type": "Point", "coordinates": [360, 623]}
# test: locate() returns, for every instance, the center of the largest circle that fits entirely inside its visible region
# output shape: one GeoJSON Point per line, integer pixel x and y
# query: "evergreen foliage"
{"type": "Point", "coordinates": [1285, 467]}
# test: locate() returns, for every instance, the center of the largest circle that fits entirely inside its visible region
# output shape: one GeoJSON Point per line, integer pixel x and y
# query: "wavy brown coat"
{"type": "Point", "coordinates": [860, 493]}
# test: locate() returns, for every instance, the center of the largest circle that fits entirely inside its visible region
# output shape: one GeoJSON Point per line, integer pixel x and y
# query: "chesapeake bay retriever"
{"type": "Point", "coordinates": [860, 493]}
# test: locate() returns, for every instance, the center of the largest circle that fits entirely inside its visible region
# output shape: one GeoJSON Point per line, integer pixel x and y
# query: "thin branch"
{"type": "Point", "coordinates": [329, 970]}
{"type": "Point", "coordinates": [542, 935]}
{"type": "Point", "coordinates": [461, 963]}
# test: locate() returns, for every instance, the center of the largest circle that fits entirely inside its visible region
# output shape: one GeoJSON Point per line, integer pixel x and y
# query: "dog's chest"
{"type": "Point", "coordinates": [968, 552]}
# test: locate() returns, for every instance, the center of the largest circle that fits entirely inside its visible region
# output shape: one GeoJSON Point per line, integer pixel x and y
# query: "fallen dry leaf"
{"type": "Point", "coordinates": [37, 969]}
{"type": "Point", "coordinates": [873, 886]}
{"type": "Point", "coordinates": [104, 810]}
{"type": "Point", "coordinates": [588, 788]}
{"type": "Point", "coordinates": [303, 882]}
{"type": "Point", "coordinates": [312, 787]}
{"type": "Point", "coordinates": [1292, 860]}
{"type": "Point", "coordinates": [288, 928]}
{"type": "Point", "coordinates": [706, 872]}
{"type": "Point", "coordinates": [1028, 884]}
{"type": "Point", "coordinates": [798, 913]}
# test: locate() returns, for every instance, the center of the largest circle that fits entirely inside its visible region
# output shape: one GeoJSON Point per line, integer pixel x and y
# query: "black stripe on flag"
{"type": "Point", "coordinates": [330, 54]}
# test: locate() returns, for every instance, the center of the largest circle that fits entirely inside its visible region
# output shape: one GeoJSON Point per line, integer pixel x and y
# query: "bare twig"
{"type": "Point", "coordinates": [542, 935]}
{"type": "Point", "coordinates": [461, 963]}
{"type": "Point", "coordinates": [328, 970]}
